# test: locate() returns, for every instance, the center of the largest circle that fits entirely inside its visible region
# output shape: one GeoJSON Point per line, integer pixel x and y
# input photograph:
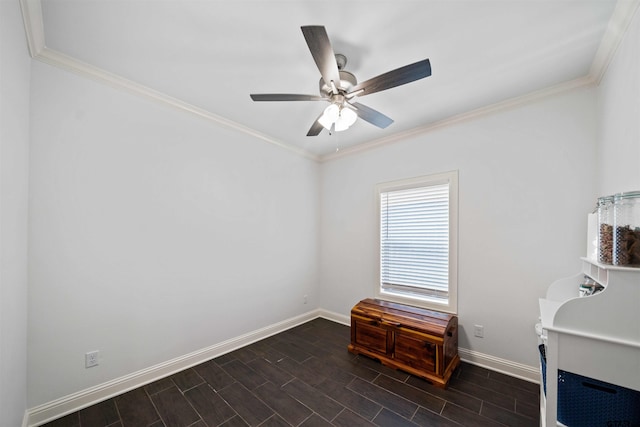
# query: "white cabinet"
{"type": "Point", "coordinates": [596, 336]}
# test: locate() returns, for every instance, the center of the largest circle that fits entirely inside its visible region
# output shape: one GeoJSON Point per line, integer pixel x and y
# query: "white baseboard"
{"type": "Point", "coordinates": [513, 369]}
{"type": "Point", "coordinates": [74, 402]}
{"type": "Point", "coordinates": [338, 318]}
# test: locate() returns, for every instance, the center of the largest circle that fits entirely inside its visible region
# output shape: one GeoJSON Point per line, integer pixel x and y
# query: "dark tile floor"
{"type": "Point", "coordinates": [306, 377]}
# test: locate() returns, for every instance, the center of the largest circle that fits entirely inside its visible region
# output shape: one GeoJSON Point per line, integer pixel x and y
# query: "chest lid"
{"type": "Point", "coordinates": [430, 321]}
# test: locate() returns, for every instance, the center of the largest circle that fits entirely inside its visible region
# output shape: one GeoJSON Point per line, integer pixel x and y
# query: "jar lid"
{"type": "Point", "coordinates": [605, 199]}
{"type": "Point", "coordinates": [628, 195]}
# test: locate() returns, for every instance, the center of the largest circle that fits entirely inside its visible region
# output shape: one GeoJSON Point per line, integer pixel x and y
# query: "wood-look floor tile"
{"type": "Point", "coordinates": [158, 386]}
{"type": "Point", "coordinates": [100, 415]}
{"type": "Point", "coordinates": [71, 420]}
{"type": "Point", "coordinates": [391, 401]}
{"type": "Point", "coordinates": [270, 371]}
{"type": "Point", "coordinates": [466, 417]}
{"type": "Point", "coordinates": [187, 379]}
{"type": "Point", "coordinates": [211, 407]}
{"type": "Point", "coordinates": [214, 375]}
{"type": "Point", "coordinates": [528, 409]}
{"type": "Point", "coordinates": [300, 371]}
{"type": "Point", "coordinates": [282, 403]}
{"type": "Point", "coordinates": [410, 393]}
{"type": "Point", "coordinates": [388, 418]}
{"type": "Point", "coordinates": [264, 350]}
{"type": "Point", "coordinates": [303, 333]}
{"type": "Point", "coordinates": [354, 367]}
{"type": "Point", "coordinates": [485, 394]}
{"type": "Point", "coordinates": [354, 401]}
{"type": "Point", "coordinates": [315, 421]}
{"type": "Point", "coordinates": [505, 417]}
{"type": "Point", "coordinates": [308, 379]}
{"type": "Point", "coordinates": [424, 417]}
{"type": "Point", "coordinates": [385, 370]}
{"type": "Point", "coordinates": [347, 418]}
{"type": "Point", "coordinates": [244, 354]}
{"type": "Point", "coordinates": [477, 370]}
{"type": "Point", "coordinates": [313, 398]}
{"type": "Point", "coordinates": [236, 421]}
{"type": "Point", "coordinates": [516, 382]}
{"type": "Point", "coordinates": [511, 388]}
{"type": "Point", "coordinates": [324, 368]}
{"type": "Point", "coordinates": [293, 350]}
{"type": "Point", "coordinates": [449, 394]}
{"type": "Point", "coordinates": [136, 409]}
{"type": "Point", "coordinates": [246, 404]}
{"type": "Point", "coordinates": [243, 374]}
{"type": "Point", "coordinates": [174, 409]}
{"type": "Point", "coordinates": [275, 421]}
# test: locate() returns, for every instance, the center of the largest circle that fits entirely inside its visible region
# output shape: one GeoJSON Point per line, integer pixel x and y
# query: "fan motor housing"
{"type": "Point", "coordinates": [347, 81]}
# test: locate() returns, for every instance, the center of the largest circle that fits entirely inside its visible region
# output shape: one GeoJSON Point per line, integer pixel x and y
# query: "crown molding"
{"type": "Point", "coordinates": [463, 117]}
{"type": "Point", "coordinates": [34, 28]}
{"type": "Point", "coordinates": [616, 29]}
{"type": "Point", "coordinates": [32, 17]}
{"type": "Point", "coordinates": [60, 60]}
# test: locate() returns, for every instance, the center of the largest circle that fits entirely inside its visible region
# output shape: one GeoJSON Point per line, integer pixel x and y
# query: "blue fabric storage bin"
{"type": "Point", "coordinates": [543, 364]}
{"type": "Point", "coordinates": [587, 402]}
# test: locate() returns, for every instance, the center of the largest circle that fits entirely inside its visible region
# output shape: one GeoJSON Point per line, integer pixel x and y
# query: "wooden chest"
{"type": "Point", "coordinates": [416, 340]}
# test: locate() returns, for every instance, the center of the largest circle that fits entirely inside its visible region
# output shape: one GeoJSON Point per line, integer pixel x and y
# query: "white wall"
{"type": "Point", "coordinates": [154, 233]}
{"type": "Point", "coordinates": [14, 142]}
{"type": "Point", "coordinates": [526, 184]}
{"type": "Point", "coordinates": [619, 113]}
{"type": "Point", "coordinates": [136, 208]}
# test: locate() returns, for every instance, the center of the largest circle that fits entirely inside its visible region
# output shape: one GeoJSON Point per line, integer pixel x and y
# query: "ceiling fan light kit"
{"type": "Point", "coordinates": [340, 87]}
{"type": "Point", "coordinates": [338, 117]}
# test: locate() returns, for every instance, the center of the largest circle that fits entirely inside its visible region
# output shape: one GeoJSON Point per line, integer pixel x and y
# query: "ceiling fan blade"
{"type": "Point", "coordinates": [397, 77]}
{"type": "Point", "coordinates": [285, 97]}
{"type": "Point", "coordinates": [372, 116]}
{"type": "Point", "coordinates": [322, 52]}
{"type": "Point", "coordinates": [316, 127]}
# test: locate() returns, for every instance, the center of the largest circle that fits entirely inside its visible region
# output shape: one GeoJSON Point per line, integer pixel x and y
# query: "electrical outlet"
{"type": "Point", "coordinates": [478, 331]}
{"type": "Point", "coordinates": [305, 299]}
{"type": "Point", "coordinates": [91, 359]}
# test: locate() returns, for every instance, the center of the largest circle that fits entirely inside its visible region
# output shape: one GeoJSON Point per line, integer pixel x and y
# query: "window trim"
{"type": "Point", "coordinates": [450, 177]}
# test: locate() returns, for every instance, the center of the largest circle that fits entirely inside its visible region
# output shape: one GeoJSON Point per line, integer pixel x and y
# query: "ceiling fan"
{"type": "Point", "coordinates": [340, 87]}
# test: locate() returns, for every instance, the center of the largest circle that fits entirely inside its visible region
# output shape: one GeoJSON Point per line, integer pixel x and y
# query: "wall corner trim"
{"type": "Point", "coordinates": [615, 32]}
{"type": "Point", "coordinates": [33, 25]}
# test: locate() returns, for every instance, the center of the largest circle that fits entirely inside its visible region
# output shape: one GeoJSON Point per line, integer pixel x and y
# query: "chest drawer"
{"type": "Point", "coordinates": [416, 351]}
{"type": "Point", "coordinates": [371, 334]}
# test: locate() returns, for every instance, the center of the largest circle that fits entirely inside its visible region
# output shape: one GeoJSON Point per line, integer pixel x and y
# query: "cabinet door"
{"type": "Point", "coordinates": [371, 335]}
{"type": "Point", "coordinates": [416, 351]}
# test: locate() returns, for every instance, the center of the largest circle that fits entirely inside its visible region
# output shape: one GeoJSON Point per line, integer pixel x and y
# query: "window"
{"type": "Point", "coordinates": [418, 241]}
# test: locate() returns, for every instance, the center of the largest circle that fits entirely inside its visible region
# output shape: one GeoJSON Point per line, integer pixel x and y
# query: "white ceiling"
{"type": "Point", "coordinates": [208, 56]}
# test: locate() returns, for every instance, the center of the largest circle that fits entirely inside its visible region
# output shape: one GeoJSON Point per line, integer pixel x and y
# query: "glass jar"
{"type": "Point", "coordinates": [626, 229]}
{"type": "Point", "coordinates": [605, 229]}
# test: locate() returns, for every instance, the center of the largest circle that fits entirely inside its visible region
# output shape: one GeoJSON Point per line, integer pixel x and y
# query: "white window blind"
{"type": "Point", "coordinates": [415, 241]}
